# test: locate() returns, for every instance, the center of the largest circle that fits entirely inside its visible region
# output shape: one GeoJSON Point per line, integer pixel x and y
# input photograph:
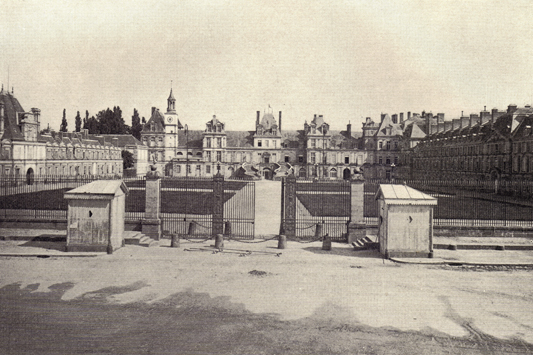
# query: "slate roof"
{"type": "Point", "coordinates": [11, 107]}
{"type": "Point", "coordinates": [193, 139]}
{"type": "Point", "coordinates": [123, 139]}
{"type": "Point", "coordinates": [157, 119]}
{"type": "Point", "coordinates": [239, 139]}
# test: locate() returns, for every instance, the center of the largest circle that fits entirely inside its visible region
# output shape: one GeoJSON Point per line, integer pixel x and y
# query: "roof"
{"type": "Point", "coordinates": [11, 108]}
{"type": "Point", "coordinates": [193, 139]}
{"type": "Point", "coordinates": [239, 139]}
{"type": "Point", "coordinates": [123, 139]}
{"type": "Point", "coordinates": [98, 190]}
{"type": "Point", "coordinates": [268, 121]}
{"type": "Point", "coordinates": [403, 195]}
{"type": "Point", "coordinates": [157, 120]}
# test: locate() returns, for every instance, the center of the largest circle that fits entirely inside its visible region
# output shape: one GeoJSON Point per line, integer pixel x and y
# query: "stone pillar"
{"type": "Point", "coordinates": [289, 219]}
{"type": "Point", "coordinates": [218, 204]}
{"type": "Point", "coordinates": [357, 226]}
{"type": "Point", "coordinates": [151, 223]}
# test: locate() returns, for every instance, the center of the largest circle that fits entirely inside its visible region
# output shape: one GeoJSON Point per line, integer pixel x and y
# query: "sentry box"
{"type": "Point", "coordinates": [405, 223]}
{"type": "Point", "coordinates": [96, 216]}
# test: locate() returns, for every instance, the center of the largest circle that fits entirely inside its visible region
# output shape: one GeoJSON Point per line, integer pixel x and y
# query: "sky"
{"type": "Point", "coordinates": [346, 60]}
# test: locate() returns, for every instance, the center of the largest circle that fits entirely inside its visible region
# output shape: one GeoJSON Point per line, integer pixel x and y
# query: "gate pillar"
{"type": "Point", "coordinates": [289, 219]}
{"type": "Point", "coordinates": [357, 225]}
{"type": "Point", "coordinates": [151, 223]}
{"type": "Point", "coordinates": [218, 204]}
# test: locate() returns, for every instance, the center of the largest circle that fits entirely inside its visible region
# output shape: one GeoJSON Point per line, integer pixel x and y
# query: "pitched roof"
{"type": "Point", "coordinates": [157, 120]}
{"type": "Point", "coordinates": [190, 138]}
{"type": "Point", "coordinates": [11, 108]}
{"type": "Point", "coordinates": [123, 139]}
{"type": "Point", "coordinates": [239, 139]}
{"type": "Point", "coordinates": [403, 195]}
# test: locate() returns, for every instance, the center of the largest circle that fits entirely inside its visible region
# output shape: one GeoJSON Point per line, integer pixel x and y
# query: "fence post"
{"type": "Point", "coordinates": [356, 228]}
{"type": "Point", "coordinates": [218, 204]}
{"type": "Point", "coordinates": [151, 223]}
{"type": "Point", "coordinates": [289, 219]}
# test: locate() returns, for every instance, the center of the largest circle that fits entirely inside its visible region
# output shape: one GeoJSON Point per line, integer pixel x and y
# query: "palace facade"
{"type": "Point", "coordinates": [26, 152]}
{"type": "Point", "coordinates": [267, 152]}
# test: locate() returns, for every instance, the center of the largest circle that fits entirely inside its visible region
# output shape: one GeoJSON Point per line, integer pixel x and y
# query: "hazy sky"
{"type": "Point", "coordinates": [343, 59]}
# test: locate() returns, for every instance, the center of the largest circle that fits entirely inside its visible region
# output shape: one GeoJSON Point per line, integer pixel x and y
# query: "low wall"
{"type": "Point", "coordinates": [444, 231]}
{"type": "Point", "coordinates": [55, 224]}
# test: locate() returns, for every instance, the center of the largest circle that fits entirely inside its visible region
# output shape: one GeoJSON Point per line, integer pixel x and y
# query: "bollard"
{"type": "Point", "coordinates": [319, 231]}
{"type": "Point", "coordinates": [282, 242]}
{"type": "Point", "coordinates": [326, 242]}
{"type": "Point", "coordinates": [219, 241]}
{"type": "Point", "coordinates": [174, 240]}
{"type": "Point", "coordinates": [192, 228]}
{"type": "Point", "coordinates": [452, 247]}
{"type": "Point", "coordinates": [109, 248]}
{"type": "Point", "coordinates": [227, 228]}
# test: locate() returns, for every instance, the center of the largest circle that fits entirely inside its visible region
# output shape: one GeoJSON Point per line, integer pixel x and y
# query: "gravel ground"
{"type": "Point", "coordinates": [304, 301]}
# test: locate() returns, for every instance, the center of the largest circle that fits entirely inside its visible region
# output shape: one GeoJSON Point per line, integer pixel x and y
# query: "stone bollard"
{"type": "Point", "coordinates": [282, 242]}
{"type": "Point", "coordinates": [319, 231]}
{"type": "Point", "coordinates": [192, 228]}
{"type": "Point", "coordinates": [219, 241]}
{"type": "Point", "coordinates": [227, 228]}
{"type": "Point", "coordinates": [174, 240]}
{"type": "Point", "coordinates": [326, 242]}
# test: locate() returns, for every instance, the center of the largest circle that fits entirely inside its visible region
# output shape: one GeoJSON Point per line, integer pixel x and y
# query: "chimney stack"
{"type": "Point", "coordinates": [511, 108]}
{"type": "Point", "coordinates": [409, 115]}
{"type": "Point", "coordinates": [395, 118]}
{"type": "Point", "coordinates": [279, 122]}
{"type": "Point", "coordinates": [456, 123]}
{"type": "Point", "coordinates": [153, 110]}
{"type": "Point", "coordinates": [440, 117]}
{"type": "Point", "coordinates": [257, 119]}
{"type": "Point", "coordinates": [349, 128]}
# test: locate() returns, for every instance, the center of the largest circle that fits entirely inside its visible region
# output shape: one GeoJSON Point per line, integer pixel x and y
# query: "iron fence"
{"type": "Point", "coordinates": [469, 203]}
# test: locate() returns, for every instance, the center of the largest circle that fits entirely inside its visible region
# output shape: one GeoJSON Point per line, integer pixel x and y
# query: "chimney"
{"type": "Point", "coordinates": [153, 110]}
{"type": "Point", "coordinates": [279, 126]}
{"type": "Point", "coordinates": [395, 118]}
{"type": "Point", "coordinates": [496, 114]}
{"type": "Point", "coordinates": [257, 118]}
{"type": "Point", "coordinates": [401, 117]}
{"type": "Point", "coordinates": [448, 126]}
{"type": "Point", "coordinates": [349, 128]}
{"type": "Point", "coordinates": [440, 117]}
{"type": "Point", "coordinates": [440, 127]}
{"type": "Point", "coordinates": [485, 116]}
{"type": "Point", "coordinates": [409, 115]}
{"type": "Point", "coordinates": [1, 119]}
{"type": "Point", "coordinates": [511, 108]}
{"type": "Point", "coordinates": [466, 121]}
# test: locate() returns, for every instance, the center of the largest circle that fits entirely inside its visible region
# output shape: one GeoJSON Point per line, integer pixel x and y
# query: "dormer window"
{"type": "Point", "coordinates": [259, 143]}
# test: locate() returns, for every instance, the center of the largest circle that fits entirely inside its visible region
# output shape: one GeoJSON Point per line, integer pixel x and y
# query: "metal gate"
{"type": "Point", "coordinates": [308, 203]}
{"type": "Point", "coordinates": [204, 206]}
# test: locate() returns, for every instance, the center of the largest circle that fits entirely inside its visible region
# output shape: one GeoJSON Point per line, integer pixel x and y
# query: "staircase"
{"type": "Point", "coordinates": [365, 243]}
{"type": "Point", "coordinates": [137, 238]}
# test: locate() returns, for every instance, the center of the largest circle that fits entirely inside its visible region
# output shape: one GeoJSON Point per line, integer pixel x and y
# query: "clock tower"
{"type": "Point", "coordinates": [171, 117]}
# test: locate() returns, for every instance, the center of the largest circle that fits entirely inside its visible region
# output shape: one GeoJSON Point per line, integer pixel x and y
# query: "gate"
{"type": "Point", "coordinates": [203, 206]}
{"type": "Point", "coordinates": [306, 203]}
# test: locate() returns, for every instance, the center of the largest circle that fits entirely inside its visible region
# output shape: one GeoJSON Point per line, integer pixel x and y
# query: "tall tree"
{"type": "Point", "coordinates": [93, 125]}
{"type": "Point", "coordinates": [64, 124]}
{"type": "Point", "coordinates": [127, 159]}
{"type": "Point", "coordinates": [86, 120]}
{"type": "Point", "coordinates": [136, 126]}
{"type": "Point", "coordinates": [77, 121]}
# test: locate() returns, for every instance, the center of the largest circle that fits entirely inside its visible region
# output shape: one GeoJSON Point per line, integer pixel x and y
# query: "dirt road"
{"type": "Point", "coordinates": [306, 301]}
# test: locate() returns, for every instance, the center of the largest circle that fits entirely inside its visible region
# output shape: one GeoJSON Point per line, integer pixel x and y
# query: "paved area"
{"type": "Point", "coordinates": [267, 207]}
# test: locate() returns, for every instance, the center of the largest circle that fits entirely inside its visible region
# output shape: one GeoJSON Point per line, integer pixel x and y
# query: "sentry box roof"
{"type": "Point", "coordinates": [98, 190]}
{"type": "Point", "coordinates": [403, 195]}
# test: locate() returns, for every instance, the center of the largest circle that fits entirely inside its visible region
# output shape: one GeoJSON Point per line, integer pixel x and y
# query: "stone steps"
{"type": "Point", "coordinates": [364, 244]}
{"type": "Point", "coordinates": [137, 238]}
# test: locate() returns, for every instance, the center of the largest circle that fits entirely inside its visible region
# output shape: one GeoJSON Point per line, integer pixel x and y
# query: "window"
{"type": "Point", "coordinates": [313, 143]}
{"type": "Point", "coordinates": [208, 169]}
{"type": "Point", "coordinates": [219, 155]}
{"type": "Point", "coordinates": [300, 159]}
{"type": "Point", "coordinates": [259, 143]}
{"type": "Point", "coordinates": [395, 144]}
{"type": "Point", "coordinates": [286, 159]}
{"type": "Point", "coordinates": [244, 158]}
{"type": "Point", "coordinates": [219, 142]}
{"type": "Point", "coordinates": [267, 159]}
{"type": "Point", "coordinates": [178, 169]}
{"type": "Point", "coordinates": [388, 145]}
{"type": "Point", "coordinates": [395, 160]}
{"type": "Point", "coordinates": [380, 144]}
{"type": "Point", "coordinates": [346, 160]}
{"type": "Point", "coordinates": [387, 161]}
{"type": "Point", "coordinates": [266, 143]}
{"type": "Point", "coordinates": [380, 160]}
{"type": "Point", "coordinates": [208, 142]}
{"type": "Point", "coordinates": [274, 144]}
{"type": "Point", "coordinates": [188, 169]}
{"type": "Point", "coordinates": [198, 167]}
{"type": "Point", "coordinates": [313, 158]}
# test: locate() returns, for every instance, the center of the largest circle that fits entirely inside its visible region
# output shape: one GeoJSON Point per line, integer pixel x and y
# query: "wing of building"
{"type": "Point", "coordinates": [26, 152]}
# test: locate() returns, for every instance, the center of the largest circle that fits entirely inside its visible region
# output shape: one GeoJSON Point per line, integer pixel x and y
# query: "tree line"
{"type": "Point", "coordinates": [105, 122]}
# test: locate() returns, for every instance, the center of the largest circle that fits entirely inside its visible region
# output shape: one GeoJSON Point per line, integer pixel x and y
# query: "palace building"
{"type": "Point", "coordinates": [26, 152]}
{"type": "Point", "coordinates": [267, 152]}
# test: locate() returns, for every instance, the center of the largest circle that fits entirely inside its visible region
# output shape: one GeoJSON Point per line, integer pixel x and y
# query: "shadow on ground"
{"type": "Point", "coordinates": [49, 245]}
{"type": "Point", "coordinates": [374, 254]}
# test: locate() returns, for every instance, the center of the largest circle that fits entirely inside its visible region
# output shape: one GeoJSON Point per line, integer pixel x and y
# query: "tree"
{"type": "Point", "coordinates": [64, 124]}
{"type": "Point", "coordinates": [143, 121]}
{"type": "Point", "coordinates": [93, 125]}
{"type": "Point", "coordinates": [77, 121]}
{"type": "Point", "coordinates": [47, 130]}
{"type": "Point", "coordinates": [127, 159]}
{"type": "Point", "coordinates": [136, 126]}
{"type": "Point", "coordinates": [86, 120]}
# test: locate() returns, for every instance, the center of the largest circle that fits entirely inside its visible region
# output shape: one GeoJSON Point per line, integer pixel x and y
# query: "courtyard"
{"type": "Point", "coordinates": [249, 299]}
